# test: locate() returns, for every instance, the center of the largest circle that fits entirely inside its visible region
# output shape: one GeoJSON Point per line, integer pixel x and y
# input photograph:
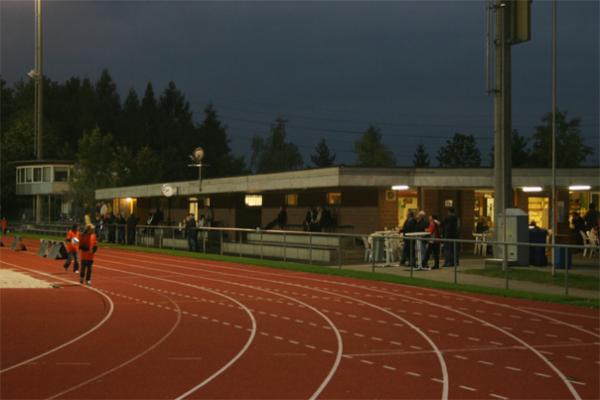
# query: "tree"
{"type": "Point", "coordinates": [460, 151]}
{"type": "Point", "coordinates": [421, 158]}
{"type": "Point", "coordinates": [130, 124]}
{"type": "Point", "coordinates": [571, 152]}
{"type": "Point", "coordinates": [108, 104]}
{"type": "Point", "coordinates": [520, 153]}
{"type": "Point", "coordinates": [213, 138]}
{"type": "Point", "coordinates": [371, 152]}
{"type": "Point", "coordinates": [273, 153]}
{"type": "Point", "coordinates": [321, 158]}
{"type": "Point", "coordinates": [94, 167]}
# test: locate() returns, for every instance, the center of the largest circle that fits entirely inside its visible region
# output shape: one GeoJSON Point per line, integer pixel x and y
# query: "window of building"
{"type": "Point", "coordinates": [37, 174]}
{"type": "Point", "coordinates": [193, 207]}
{"type": "Point", "coordinates": [334, 198]}
{"type": "Point", "coordinates": [61, 174]}
{"type": "Point", "coordinates": [28, 175]}
{"type": "Point", "coordinates": [46, 174]}
{"type": "Point", "coordinates": [291, 199]}
{"type": "Point", "coordinates": [253, 200]}
{"type": "Point", "coordinates": [206, 201]}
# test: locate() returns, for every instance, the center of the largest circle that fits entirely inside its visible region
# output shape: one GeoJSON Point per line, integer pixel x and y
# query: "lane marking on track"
{"type": "Point", "coordinates": [437, 380]}
{"type": "Point", "coordinates": [543, 375]}
{"type": "Point", "coordinates": [412, 374]}
{"type": "Point", "coordinates": [485, 362]}
{"type": "Point", "coordinates": [470, 389]}
{"type": "Point", "coordinates": [109, 313]}
{"type": "Point", "coordinates": [497, 343]}
{"type": "Point", "coordinates": [513, 368]}
{"type": "Point", "coordinates": [438, 353]}
{"type": "Point", "coordinates": [72, 363]}
{"type": "Point", "coordinates": [497, 396]}
{"type": "Point", "coordinates": [460, 357]}
{"type": "Point", "coordinates": [577, 382]}
{"type": "Point", "coordinates": [389, 367]}
{"type": "Point", "coordinates": [367, 362]}
{"type": "Point", "coordinates": [573, 358]}
{"type": "Point", "coordinates": [131, 360]}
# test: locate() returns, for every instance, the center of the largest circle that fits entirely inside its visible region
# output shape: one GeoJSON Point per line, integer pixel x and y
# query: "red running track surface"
{"type": "Point", "coordinates": [158, 326]}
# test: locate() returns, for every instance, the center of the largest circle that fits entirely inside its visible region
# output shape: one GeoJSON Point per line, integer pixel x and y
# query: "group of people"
{"type": "Point", "coordinates": [448, 228]}
{"type": "Point", "coordinates": [86, 244]}
{"type": "Point", "coordinates": [190, 226]}
{"type": "Point", "coordinates": [318, 219]}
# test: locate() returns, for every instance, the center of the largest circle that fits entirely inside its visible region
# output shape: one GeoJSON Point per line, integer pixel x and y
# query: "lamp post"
{"type": "Point", "coordinates": [196, 157]}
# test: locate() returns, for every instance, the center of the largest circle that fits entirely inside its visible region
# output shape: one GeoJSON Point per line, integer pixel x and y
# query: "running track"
{"type": "Point", "coordinates": [158, 326]}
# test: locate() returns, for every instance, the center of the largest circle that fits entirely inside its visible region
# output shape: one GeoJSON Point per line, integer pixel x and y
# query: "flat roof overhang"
{"type": "Point", "coordinates": [352, 177]}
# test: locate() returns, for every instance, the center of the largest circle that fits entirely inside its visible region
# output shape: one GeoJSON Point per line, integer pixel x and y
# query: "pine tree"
{"type": "Point", "coordinates": [273, 153]}
{"type": "Point", "coordinates": [460, 151]}
{"type": "Point", "coordinates": [321, 158]}
{"type": "Point", "coordinates": [371, 152]}
{"type": "Point", "coordinates": [421, 158]}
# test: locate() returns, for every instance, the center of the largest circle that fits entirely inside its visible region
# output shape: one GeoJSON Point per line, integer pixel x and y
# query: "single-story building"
{"type": "Point", "coordinates": [362, 200]}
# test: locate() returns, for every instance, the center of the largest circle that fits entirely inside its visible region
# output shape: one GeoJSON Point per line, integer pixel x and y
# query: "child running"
{"type": "Point", "coordinates": [87, 246]}
{"type": "Point", "coordinates": [72, 248]}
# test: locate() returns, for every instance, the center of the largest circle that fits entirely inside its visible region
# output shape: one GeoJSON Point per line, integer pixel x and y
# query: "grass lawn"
{"type": "Point", "coordinates": [515, 273]}
{"type": "Point", "coordinates": [365, 275]}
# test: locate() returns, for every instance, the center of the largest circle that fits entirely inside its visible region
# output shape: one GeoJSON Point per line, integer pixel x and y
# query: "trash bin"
{"type": "Point", "coordinates": [561, 259]}
{"type": "Point", "coordinates": [537, 255]}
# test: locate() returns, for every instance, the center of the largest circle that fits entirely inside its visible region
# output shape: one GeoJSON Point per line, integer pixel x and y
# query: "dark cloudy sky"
{"type": "Point", "coordinates": [415, 69]}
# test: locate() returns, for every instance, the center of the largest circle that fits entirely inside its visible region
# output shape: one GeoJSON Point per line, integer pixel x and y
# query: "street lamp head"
{"type": "Point", "coordinates": [32, 74]}
{"type": "Point", "coordinates": [198, 154]}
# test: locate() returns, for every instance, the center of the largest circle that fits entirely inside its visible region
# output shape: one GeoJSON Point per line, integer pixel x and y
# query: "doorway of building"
{"type": "Point", "coordinates": [538, 210]}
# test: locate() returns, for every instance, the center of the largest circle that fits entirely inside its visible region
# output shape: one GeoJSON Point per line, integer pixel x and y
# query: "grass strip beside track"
{"type": "Point", "coordinates": [364, 275]}
{"type": "Point", "coordinates": [575, 280]}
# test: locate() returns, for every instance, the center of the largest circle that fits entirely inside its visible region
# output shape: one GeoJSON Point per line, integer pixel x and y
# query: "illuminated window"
{"type": "Point", "coordinates": [253, 200]}
{"type": "Point", "coordinates": [334, 198]}
{"type": "Point", "coordinates": [206, 202]}
{"type": "Point", "coordinates": [291, 199]}
{"type": "Point", "coordinates": [193, 207]}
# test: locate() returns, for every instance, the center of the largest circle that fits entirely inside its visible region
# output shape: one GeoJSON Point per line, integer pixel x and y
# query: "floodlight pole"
{"type": "Point", "coordinates": [553, 208]}
{"type": "Point", "coordinates": [502, 120]}
{"type": "Point", "coordinates": [39, 100]}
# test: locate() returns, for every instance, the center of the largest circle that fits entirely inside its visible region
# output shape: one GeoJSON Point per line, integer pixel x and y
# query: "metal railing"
{"type": "Point", "coordinates": [374, 253]}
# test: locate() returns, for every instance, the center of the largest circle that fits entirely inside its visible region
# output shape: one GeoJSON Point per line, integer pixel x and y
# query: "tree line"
{"type": "Point", "coordinates": [146, 139]}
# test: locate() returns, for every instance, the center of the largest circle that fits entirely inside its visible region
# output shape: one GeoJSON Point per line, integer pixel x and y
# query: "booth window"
{"type": "Point", "coordinates": [37, 174]}
{"type": "Point", "coordinates": [291, 199]}
{"type": "Point", "coordinates": [253, 200]}
{"type": "Point", "coordinates": [334, 198]}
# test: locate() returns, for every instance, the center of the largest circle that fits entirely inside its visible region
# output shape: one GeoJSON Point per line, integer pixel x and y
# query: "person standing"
{"type": "Point", "coordinates": [421, 225]}
{"type": "Point", "coordinates": [433, 247]}
{"type": "Point", "coordinates": [88, 245]}
{"type": "Point", "coordinates": [408, 227]}
{"type": "Point", "coordinates": [132, 222]}
{"type": "Point", "coordinates": [72, 241]}
{"type": "Point", "coordinates": [450, 231]}
{"type": "Point", "coordinates": [191, 232]}
{"type": "Point", "coordinates": [578, 227]}
{"type": "Point", "coordinates": [591, 218]}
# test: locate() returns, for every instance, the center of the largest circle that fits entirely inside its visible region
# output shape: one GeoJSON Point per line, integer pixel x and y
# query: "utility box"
{"type": "Point", "coordinates": [516, 231]}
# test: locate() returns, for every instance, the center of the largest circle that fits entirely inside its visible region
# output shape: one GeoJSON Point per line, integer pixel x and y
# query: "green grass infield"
{"type": "Point", "coordinates": [367, 275]}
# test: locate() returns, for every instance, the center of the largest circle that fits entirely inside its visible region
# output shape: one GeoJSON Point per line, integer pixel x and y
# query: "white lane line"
{"type": "Point", "coordinates": [347, 356]}
{"type": "Point", "coordinates": [460, 357]}
{"type": "Point", "coordinates": [389, 367]}
{"type": "Point", "coordinates": [543, 375]}
{"type": "Point", "coordinates": [470, 389]}
{"type": "Point", "coordinates": [513, 368]}
{"type": "Point", "coordinates": [419, 331]}
{"type": "Point", "coordinates": [549, 353]}
{"type": "Point", "coordinates": [497, 343]}
{"type": "Point", "coordinates": [367, 362]}
{"type": "Point", "coordinates": [574, 358]}
{"type": "Point", "coordinates": [109, 313]}
{"type": "Point", "coordinates": [396, 343]}
{"type": "Point", "coordinates": [432, 331]}
{"type": "Point", "coordinates": [485, 362]}
{"type": "Point", "coordinates": [131, 360]}
{"type": "Point", "coordinates": [577, 382]}
{"type": "Point", "coordinates": [438, 380]}
{"type": "Point", "coordinates": [453, 335]}
{"type": "Point", "coordinates": [293, 341]}
{"type": "Point", "coordinates": [416, 347]}
{"type": "Point", "coordinates": [551, 335]}
{"type": "Point", "coordinates": [310, 346]}
{"type": "Point", "coordinates": [575, 339]}
{"type": "Point", "coordinates": [412, 373]}
{"type": "Point", "coordinates": [497, 396]}
{"type": "Point", "coordinates": [377, 339]}
{"type": "Point", "coordinates": [473, 339]}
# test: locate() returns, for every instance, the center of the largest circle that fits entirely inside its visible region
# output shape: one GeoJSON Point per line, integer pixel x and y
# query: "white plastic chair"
{"type": "Point", "coordinates": [593, 239]}
{"type": "Point", "coordinates": [368, 249]}
{"type": "Point", "coordinates": [586, 243]}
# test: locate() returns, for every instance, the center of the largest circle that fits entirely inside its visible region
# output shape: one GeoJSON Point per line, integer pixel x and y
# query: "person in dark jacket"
{"type": "Point", "coordinates": [132, 222]}
{"type": "Point", "coordinates": [408, 227]}
{"type": "Point", "coordinates": [450, 231]}
{"type": "Point", "coordinates": [591, 218]}
{"type": "Point", "coordinates": [191, 232]}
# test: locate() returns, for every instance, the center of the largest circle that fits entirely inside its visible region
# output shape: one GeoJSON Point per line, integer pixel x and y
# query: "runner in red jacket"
{"type": "Point", "coordinates": [72, 241]}
{"type": "Point", "coordinates": [87, 247]}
